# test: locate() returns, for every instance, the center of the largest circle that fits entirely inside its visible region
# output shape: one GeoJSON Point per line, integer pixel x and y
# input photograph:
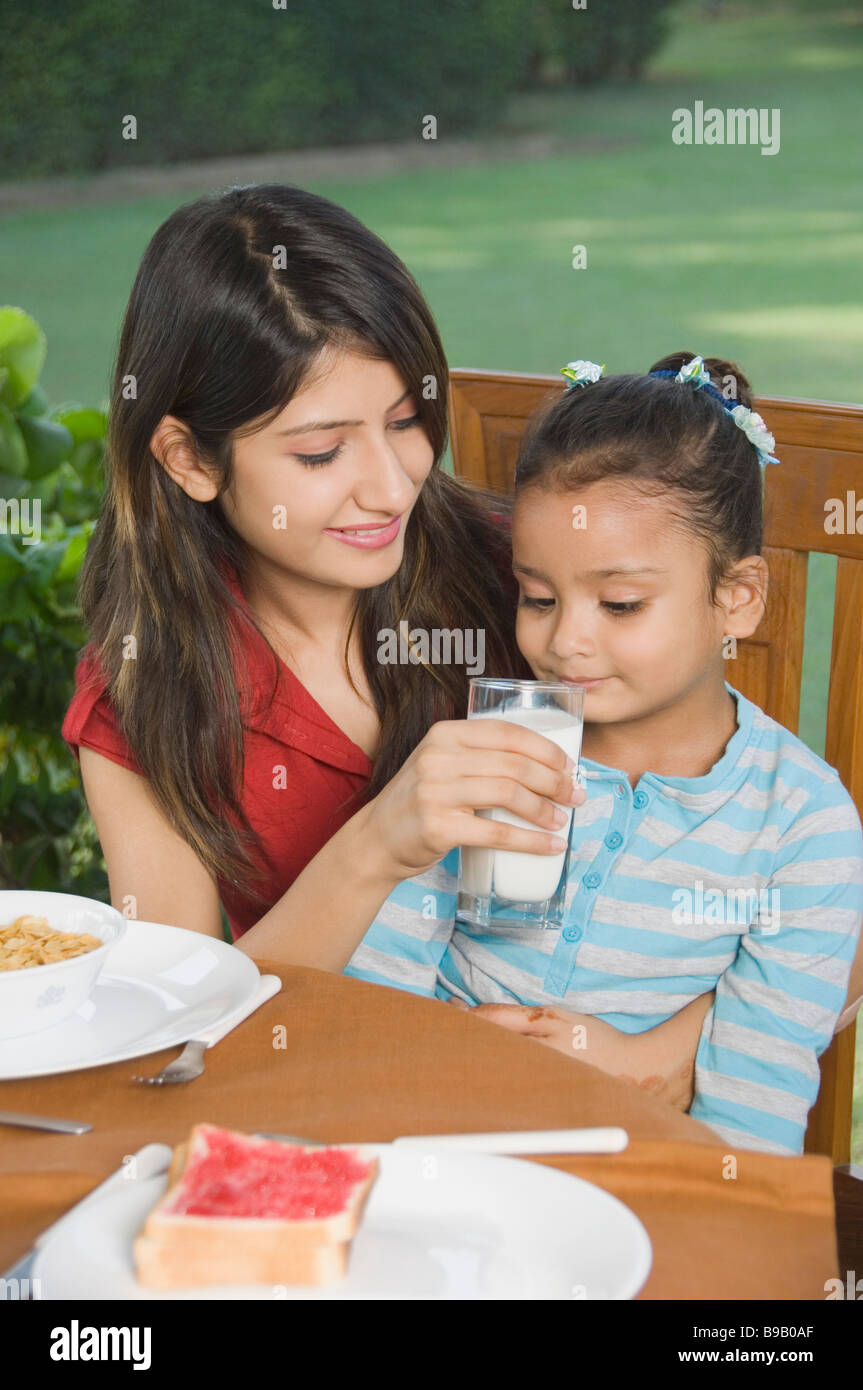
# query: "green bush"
{"type": "Point", "coordinates": [207, 80]}
{"type": "Point", "coordinates": [50, 488]}
{"type": "Point", "coordinates": [608, 39]}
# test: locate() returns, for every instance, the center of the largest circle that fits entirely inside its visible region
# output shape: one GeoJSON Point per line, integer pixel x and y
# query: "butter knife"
{"type": "Point", "coordinates": [598, 1140]}
{"type": "Point", "coordinates": [11, 1117]}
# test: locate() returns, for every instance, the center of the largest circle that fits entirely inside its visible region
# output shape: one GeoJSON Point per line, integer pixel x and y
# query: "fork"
{"type": "Point", "coordinates": [190, 1062]}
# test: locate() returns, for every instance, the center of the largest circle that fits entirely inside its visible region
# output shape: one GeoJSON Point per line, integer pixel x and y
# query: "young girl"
{"type": "Point", "coordinates": [717, 865]}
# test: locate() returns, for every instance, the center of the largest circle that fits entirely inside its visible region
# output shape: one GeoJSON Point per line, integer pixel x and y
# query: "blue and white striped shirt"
{"type": "Point", "coordinates": [747, 880]}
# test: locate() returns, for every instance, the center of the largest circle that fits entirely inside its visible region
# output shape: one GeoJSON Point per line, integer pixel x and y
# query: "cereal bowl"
{"type": "Point", "coordinates": [35, 997]}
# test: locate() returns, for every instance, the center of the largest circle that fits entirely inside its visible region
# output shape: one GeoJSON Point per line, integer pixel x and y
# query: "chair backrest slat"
{"type": "Point", "coordinates": [844, 743]}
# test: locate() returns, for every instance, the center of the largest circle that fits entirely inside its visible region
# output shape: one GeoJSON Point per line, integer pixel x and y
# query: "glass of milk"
{"type": "Point", "coordinates": [505, 889]}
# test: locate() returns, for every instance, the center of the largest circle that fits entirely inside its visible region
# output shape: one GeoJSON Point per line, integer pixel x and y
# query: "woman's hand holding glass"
{"type": "Point", "coordinates": [463, 766]}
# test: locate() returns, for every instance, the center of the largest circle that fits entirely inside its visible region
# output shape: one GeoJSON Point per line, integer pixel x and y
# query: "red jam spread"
{"type": "Point", "coordinates": [235, 1176]}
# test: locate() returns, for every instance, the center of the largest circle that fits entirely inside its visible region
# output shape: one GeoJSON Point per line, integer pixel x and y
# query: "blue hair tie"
{"type": "Point", "coordinates": [706, 386]}
{"type": "Point", "coordinates": [582, 373]}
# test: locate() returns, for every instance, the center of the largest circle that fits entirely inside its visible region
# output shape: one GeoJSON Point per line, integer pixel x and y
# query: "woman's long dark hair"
{"type": "Point", "coordinates": [665, 437]}
{"type": "Point", "coordinates": [218, 337]}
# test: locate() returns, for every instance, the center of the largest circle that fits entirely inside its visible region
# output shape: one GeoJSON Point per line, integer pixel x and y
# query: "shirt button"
{"type": "Point", "coordinates": [613, 840]}
{"type": "Point", "coordinates": [591, 880]}
{"type": "Point", "coordinates": [640, 799]}
{"type": "Point", "coordinates": [572, 933]}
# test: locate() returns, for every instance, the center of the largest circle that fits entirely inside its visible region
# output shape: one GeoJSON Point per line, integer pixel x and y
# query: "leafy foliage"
{"type": "Point", "coordinates": [598, 42]}
{"type": "Point", "coordinates": [247, 77]}
{"type": "Point", "coordinates": [256, 76]}
{"type": "Point", "coordinates": [50, 489]}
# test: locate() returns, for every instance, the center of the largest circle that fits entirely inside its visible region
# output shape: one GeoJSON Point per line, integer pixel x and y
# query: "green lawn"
{"type": "Point", "coordinates": [717, 249]}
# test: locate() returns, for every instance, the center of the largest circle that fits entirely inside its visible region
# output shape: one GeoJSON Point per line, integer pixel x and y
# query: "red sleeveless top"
{"type": "Point", "coordinates": [323, 768]}
{"type": "Point", "coordinates": [294, 817]}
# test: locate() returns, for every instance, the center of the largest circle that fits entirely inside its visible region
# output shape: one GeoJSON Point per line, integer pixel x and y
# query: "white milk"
{"type": "Point", "coordinates": [528, 878]}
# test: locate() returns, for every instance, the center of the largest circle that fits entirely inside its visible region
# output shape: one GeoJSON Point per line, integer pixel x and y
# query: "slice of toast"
{"type": "Point", "coordinates": [179, 1159]}
{"type": "Point", "coordinates": [176, 1249]}
{"type": "Point", "coordinates": [184, 1258]}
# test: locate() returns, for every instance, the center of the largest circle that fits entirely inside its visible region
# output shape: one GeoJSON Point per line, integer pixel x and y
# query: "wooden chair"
{"type": "Point", "coordinates": [820, 446]}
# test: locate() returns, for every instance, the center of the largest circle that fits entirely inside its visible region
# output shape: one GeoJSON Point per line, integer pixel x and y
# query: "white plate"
{"type": "Point", "coordinates": [159, 987]}
{"type": "Point", "coordinates": [438, 1225]}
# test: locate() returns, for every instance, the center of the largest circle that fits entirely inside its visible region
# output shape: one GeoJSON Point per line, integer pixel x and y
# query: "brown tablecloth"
{"type": "Point", "coordinates": [362, 1062]}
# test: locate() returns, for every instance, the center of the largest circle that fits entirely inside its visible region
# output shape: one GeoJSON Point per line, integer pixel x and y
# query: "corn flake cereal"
{"type": "Point", "coordinates": [31, 941]}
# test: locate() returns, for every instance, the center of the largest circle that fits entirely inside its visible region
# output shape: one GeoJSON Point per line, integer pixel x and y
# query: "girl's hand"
{"type": "Point", "coordinates": [462, 766]}
{"type": "Point", "coordinates": [558, 1028]}
{"type": "Point", "coordinates": [597, 1042]}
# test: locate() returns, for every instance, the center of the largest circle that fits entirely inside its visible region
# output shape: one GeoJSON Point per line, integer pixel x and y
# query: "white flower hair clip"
{"type": "Point", "coordinates": [753, 426]}
{"type": "Point", "coordinates": [581, 373]}
{"type": "Point", "coordinates": [694, 371]}
{"type": "Point", "coordinates": [749, 421]}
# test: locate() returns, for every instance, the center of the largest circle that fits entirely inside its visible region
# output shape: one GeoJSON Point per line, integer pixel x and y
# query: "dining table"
{"type": "Point", "coordinates": [341, 1060]}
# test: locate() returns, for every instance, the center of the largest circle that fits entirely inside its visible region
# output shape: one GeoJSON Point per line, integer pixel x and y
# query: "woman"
{"type": "Point", "coordinates": [275, 502]}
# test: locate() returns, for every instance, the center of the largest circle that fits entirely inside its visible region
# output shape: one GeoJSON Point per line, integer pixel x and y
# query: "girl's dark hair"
{"type": "Point", "coordinates": [662, 436]}
{"type": "Point", "coordinates": [217, 336]}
